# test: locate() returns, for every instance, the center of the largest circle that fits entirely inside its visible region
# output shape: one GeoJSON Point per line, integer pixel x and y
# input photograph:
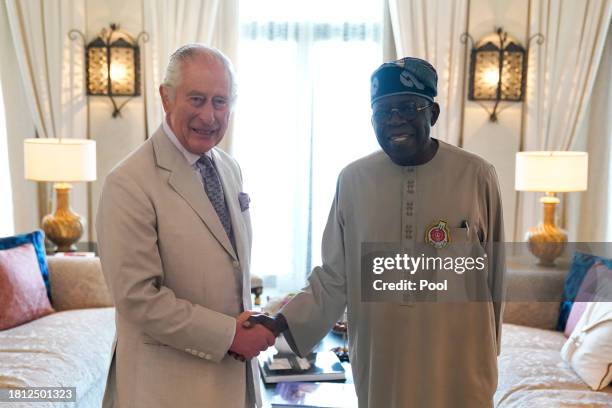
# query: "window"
{"type": "Point", "coordinates": [303, 113]}
{"type": "Point", "coordinates": [6, 198]}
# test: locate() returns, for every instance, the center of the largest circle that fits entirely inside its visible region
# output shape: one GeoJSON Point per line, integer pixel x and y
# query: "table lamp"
{"type": "Point", "coordinates": [61, 161]}
{"type": "Point", "coordinates": [550, 172]}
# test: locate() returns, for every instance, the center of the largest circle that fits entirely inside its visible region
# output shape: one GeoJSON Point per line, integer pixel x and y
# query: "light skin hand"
{"type": "Point", "coordinates": [242, 318]}
{"type": "Point", "coordinates": [249, 342]}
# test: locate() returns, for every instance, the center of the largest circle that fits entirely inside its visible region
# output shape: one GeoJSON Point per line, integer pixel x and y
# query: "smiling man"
{"type": "Point", "coordinates": [174, 237]}
{"type": "Point", "coordinates": [416, 192]}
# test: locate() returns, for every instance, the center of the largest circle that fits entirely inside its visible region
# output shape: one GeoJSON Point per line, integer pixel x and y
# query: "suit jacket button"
{"type": "Point", "coordinates": [207, 356]}
{"type": "Point", "coordinates": [201, 355]}
{"type": "Point", "coordinates": [194, 352]}
{"type": "Point", "coordinates": [236, 264]}
{"type": "Point", "coordinates": [188, 350]}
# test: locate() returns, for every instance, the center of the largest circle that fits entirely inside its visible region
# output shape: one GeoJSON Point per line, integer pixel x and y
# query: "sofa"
{"type": "Point", "coordinates": [68, 348]}
{"type": "Point", "coordinates": [531, 371]}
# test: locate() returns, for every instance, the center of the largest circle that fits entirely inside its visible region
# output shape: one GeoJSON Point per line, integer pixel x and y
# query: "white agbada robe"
{"type": "Point", "coordinates": [424, 354]}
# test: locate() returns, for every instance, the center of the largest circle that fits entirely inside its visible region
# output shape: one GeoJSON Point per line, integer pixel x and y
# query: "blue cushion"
{"type": "Point", "coordinates": [36, 238]}
{"type": "Point", "coordinates": [581, 263]}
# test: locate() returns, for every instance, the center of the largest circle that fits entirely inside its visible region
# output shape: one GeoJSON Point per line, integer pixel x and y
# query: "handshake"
{"type": "Point", "coordinates": [255, 333]}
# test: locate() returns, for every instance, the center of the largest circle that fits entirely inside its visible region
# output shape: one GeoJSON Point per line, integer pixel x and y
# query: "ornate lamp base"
{"type": "Point", "coordinates": [64, 227]}
{"type": "Point", "coordinates": [547, 241]}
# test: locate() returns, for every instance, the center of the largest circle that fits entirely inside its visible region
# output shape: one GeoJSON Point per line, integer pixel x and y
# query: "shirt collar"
{"type": "Point", "coordinates": [191, 158]}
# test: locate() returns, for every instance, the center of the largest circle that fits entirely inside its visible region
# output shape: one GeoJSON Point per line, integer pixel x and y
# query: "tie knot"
{"type": "Point", "coordinates": [204, 161]}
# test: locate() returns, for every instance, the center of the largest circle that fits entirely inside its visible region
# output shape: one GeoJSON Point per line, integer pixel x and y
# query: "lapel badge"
{"type": "Point", "coordinates": [438, 235]}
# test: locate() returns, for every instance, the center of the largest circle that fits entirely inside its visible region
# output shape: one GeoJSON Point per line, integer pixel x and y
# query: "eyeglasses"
{"type": "Point", "coordinates": [407, 112]}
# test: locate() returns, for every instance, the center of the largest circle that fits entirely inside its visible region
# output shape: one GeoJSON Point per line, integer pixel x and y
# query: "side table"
{"type": "Point", "coordinates": [82, 247]}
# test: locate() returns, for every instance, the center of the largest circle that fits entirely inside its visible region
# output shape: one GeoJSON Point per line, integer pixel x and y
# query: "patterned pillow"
{"type": "Point", "coordinates": [36, 238]}
{"type": "Point", "coordinates": [581, 263]}
{"type": "Point", "coordinates": [576, 313]}
{"type": "Point", "coordinates": [597, 281]}
{"type": "Point", "coordinates": [23, 296]}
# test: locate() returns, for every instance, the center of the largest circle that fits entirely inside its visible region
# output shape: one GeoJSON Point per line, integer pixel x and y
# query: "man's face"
{"type": "Point", "coordinates": [404, 138]}
{"type": "Point", "coordinates": [198, 109]}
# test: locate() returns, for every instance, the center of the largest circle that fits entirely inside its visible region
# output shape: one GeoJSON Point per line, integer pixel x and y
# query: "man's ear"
{"type": "Point", "coordinates": [435, 112]}
{"type": "Point", "coordinates": [165, 97]}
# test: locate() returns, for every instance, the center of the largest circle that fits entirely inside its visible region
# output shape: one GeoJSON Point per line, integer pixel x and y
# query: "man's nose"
{"type": "Point", "coordinates": [396, 117]}
{"type": "Point", "coordinates": [207, 114]}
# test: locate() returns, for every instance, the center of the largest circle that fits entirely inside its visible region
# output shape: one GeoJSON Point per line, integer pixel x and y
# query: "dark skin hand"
{"type": "Point", "coordinates": [276, 324]}
{"type": "Point", "coordinates": [406, 140]}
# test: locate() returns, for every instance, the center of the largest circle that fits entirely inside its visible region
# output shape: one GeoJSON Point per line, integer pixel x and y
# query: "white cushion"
{"type": "Point", "coordinates": [589, 348]}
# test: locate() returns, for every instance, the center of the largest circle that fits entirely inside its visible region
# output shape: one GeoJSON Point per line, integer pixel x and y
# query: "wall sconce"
{"type": "Point", "coordinates": [112, 63]}
{"type": "Point", "coordinates": [498, 69]}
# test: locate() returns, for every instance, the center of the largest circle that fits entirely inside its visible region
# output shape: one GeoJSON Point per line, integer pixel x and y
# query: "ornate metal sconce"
{"type": "Point", "coordinates": [112, 63]}
{"type": "Point", "coordinates": [498, 69]}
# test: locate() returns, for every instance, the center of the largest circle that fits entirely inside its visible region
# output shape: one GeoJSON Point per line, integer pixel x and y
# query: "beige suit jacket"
{"type": "Point", "coordinates": [176, 281]}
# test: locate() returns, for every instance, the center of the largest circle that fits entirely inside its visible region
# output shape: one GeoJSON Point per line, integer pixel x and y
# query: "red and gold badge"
{"type": "Point", "coordinates": [438, 235]}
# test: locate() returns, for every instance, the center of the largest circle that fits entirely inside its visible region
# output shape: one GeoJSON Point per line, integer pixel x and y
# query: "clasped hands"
{"type": "Point", "coordinates": [254, 334]}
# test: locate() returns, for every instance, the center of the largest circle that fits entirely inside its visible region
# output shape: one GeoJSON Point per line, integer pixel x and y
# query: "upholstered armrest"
{"type": "Point", "coordinates": [542, 315]}
{"type": "Point", "coordinates": [77, 283]}
{"type": "Point", "coordinates": [533, 294]}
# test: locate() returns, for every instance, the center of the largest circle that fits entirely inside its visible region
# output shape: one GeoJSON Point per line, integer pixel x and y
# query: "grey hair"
{"type": "Point", "coordinates": [172, 76]}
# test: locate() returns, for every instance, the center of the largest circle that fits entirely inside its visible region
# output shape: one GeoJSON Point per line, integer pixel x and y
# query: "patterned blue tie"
{"type": "Point", "coordinates": [212, 185]}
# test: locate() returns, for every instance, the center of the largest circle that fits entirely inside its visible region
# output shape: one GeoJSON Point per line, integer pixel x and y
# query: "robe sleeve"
{"type": "Point", "coordinates": [315, 309]}
{"type": "Point", "coordinates": [495, 249]}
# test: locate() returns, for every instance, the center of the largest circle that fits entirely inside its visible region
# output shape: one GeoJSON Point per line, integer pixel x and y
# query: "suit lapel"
{"type": "Point", "coordinates": [183, 180]}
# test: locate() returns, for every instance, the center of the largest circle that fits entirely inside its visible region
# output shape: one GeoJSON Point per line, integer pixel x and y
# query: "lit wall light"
{"type": "Point", "coordinates": [113, 64]}
{"type": "Point", "coordinates": [498, 69]}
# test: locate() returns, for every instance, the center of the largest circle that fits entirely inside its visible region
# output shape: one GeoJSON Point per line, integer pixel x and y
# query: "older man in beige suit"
{"type": "Point", "coordinates": [174, 238]}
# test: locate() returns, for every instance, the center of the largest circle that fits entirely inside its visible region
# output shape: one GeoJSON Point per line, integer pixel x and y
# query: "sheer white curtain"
{"type": "Point", "coordinates": [596, 135]}
{"type": "Point", "coordinates": [303, 113]}
{"type": "Point", "coordinates": [431, 30]}
{"type": "Point", "coordinates": [7, 226]}
{"type": "Point", "coordinates": [52, 65]}
{"type": "Point", "coordinates": [52, 72]}
{"type": "Point", "coordinates": [561, 76]}
{"type": "Point", "coordinates": [173, 23]}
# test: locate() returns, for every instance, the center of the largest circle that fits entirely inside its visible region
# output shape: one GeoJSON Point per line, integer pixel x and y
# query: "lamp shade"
{"type": "Point", "coordinates": [60, 160]}
{"type": "Point", "coordinates": [551, 171]}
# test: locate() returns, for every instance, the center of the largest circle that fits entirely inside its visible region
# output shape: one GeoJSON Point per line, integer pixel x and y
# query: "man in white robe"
{"type": "Point", "coordinates": [415, 354]}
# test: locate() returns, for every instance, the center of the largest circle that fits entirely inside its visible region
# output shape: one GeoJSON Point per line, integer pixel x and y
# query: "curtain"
{"type": "Point", "coordinates": [173, 23]}
{"type": "Point", "coordinates": [596, 135]}
{"type": "Point", "coordinates": [53, 75]}
{"type": "Point", "coordinates": [561, 75]}
{"type": "Point", "coordinates": [303, 113]}
{"type": "Point", "coordinates": [52, 65]}
{"type": "Point", "coordinates": [7, 226]}
{"type": "Point", "coordinates": [431, 30]}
